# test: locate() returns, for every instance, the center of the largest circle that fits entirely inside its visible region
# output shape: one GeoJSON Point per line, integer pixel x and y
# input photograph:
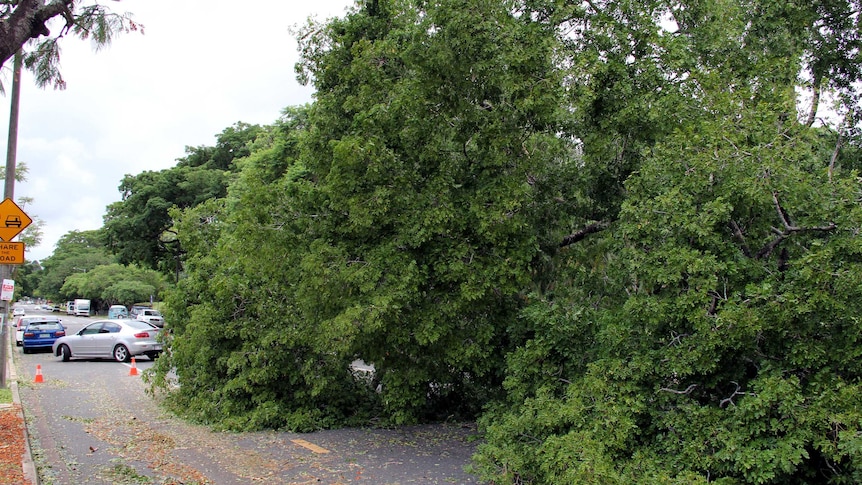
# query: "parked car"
{"type": "Point", "coordinates": [151, 316]}
{"type": "Point", "coordinates": [42, 335]}
{"type": "Point", "coordinates": [24, 321]}
{"type": "Point", "coordinates": [18, 312]}
{"type": "Point", "coordinates": [118, 339]}
{"type": "Point", "coordinates": [19, 332]}
{"type": "Point", "coordinates": [136, 310]}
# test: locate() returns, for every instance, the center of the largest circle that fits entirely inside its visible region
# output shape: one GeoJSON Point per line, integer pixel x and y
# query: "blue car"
{"type": "Point", "coordinates": [42, 335]}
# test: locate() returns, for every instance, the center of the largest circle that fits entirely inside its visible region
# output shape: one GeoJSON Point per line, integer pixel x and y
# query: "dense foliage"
{"type": "Point", "coordinates": [625, 233]}
{"type": "Point", "coordinates": [75, 252]}
{"type": "Point", "coordinates": [710, 334]}
{"type": "Point", "coordinates": [82, 267]}
{"type": "Point", "coordinates": [139, 227]}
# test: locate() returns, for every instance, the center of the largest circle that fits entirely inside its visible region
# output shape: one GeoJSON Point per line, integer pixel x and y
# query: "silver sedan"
{"type": "Point", "coordinates": [119, 339]}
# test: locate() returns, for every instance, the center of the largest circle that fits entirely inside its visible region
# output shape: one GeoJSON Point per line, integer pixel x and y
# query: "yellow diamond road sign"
{"type": "Point", "coordinates": [12, 220]}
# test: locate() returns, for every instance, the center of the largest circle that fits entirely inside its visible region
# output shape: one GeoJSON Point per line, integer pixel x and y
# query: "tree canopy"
{"type": "Point", "coordinates": [139, 227]}
{"type": "Point", "coordinates": [623, 235]}
{"type": "Point", "coordinates": [75, 252]}
{"type": "Point", "coordinates": [82, 267]}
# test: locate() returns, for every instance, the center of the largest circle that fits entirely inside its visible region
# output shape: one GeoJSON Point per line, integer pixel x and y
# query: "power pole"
{"type": "Point", "coordinates": [9, 193]}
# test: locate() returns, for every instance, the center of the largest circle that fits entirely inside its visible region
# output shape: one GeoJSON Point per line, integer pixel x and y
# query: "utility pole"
{"type": "Point", "coordinates": [9, 193]}
{"type": "Point", "coordinates": [12, 147]}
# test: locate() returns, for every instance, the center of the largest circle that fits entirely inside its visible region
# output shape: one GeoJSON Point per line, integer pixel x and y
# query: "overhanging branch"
{"type": "Point", "coordinates": [789, 229]}
{"type": "Point", "coordinates": [581, 234]}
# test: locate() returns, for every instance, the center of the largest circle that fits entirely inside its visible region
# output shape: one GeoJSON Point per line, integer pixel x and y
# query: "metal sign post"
{"type": "Point", "coordinates": [6, 293]}
{"type": "Point", "coordinates": [3, 351]}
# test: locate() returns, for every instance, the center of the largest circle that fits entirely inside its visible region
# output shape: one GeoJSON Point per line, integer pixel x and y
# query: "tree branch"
{"type": "Point", "coordinates": [729, 400]}
{"type": "Point", "coordinates": [674, 391]}
{"type": "Point", "coordinates": [815, 101]}
{"type": "Point", "coordinates": [581, 234]}
{"type": "Point", "coordinates": [26, 22]}
{"type": "Point", "coordinates": [834, 158]}
{"type": "Point", "coordinates": [789, 229]}
{"type": "Point", "coordinates": [781, 213]}
{"type": "Point", "coordinates": [737, 231]}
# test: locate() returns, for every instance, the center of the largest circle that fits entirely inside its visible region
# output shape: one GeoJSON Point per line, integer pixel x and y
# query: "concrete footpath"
{"type": "Point", "coordinates": [27, 464]}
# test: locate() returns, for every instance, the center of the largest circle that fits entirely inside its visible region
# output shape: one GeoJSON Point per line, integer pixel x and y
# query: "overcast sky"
{"type": "Point", "coordinates": [199, 68]}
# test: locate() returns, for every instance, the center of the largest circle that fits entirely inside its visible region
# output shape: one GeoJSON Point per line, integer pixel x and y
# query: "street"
{"type": "Point", "coordinates": [91, 422]}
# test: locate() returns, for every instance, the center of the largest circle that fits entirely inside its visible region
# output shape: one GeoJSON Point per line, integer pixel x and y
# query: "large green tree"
{"type": "Point", "coordinates": [622, 215]}
{"type": "Point", "coordinates": [75, 252]}
{"type": "Point", "coordinates": [432, 142]}
{"type": "Point", "coordinates": [402, 233]}
{"type": "Point", "coordinates": [708, 335]}
{"type": "Point", "coordinates": [27, 278]}
{"type": "Point", "coordinates": [110, 284]}
{"type": "Point", "coordinates": [139, 227]}
{"type": "Point", "coordinates": [238, 319]}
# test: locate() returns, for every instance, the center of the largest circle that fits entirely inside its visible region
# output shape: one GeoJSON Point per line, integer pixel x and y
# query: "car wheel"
{"type": "Point", "coordinates": [121, 353]}
{"type": "Point", "coordinates": [19, 344]}
{"type": "Point", "coordinates": [26, 350]}
{"type": "Point", "coordinates": [65, 352]}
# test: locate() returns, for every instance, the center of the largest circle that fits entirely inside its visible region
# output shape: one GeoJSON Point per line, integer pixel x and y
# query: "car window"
{"type": "Point", "coordinates": [110, 327]}
{"type": "Point", "coordinates": [92, 329]}
{"type": "Point", "coordinates": [42, 326]}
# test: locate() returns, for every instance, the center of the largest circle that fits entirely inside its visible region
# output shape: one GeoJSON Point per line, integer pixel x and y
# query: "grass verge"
{"type": "Point", "coordinates": [5, 395]}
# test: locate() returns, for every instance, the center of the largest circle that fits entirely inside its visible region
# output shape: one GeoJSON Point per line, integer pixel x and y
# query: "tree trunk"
{"type": "Point", "coordinates": [27, 21]}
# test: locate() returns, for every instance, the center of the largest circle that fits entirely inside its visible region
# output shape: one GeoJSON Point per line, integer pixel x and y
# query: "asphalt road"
{"type": "Point", "coordinates": [91, 422]}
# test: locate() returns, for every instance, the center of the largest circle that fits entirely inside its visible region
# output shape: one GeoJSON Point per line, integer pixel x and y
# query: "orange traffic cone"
{"type": "Point", "coordinates": [134, 370]}
{"type": "Point", "coordinates": [38, 374]}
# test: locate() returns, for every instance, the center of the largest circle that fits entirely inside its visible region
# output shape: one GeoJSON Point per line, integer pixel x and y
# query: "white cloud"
{"type": "Point", "coordinates": [199, 68]}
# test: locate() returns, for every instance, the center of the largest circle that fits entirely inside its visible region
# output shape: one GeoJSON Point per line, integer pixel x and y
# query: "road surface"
{"type": "Point", "coordinates": [91, 422]}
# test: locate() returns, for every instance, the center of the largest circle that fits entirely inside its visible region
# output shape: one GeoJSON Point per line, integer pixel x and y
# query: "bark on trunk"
{"type": "Point", "coordinates": [27, 21]}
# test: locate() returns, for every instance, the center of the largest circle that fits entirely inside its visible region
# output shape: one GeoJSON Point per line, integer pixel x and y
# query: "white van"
{"type": "Point", "coordinates": [82, 308]}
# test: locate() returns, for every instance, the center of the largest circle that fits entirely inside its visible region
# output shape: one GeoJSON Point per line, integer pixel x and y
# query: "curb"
{"type": "Point", "coordinates": [27, 463]}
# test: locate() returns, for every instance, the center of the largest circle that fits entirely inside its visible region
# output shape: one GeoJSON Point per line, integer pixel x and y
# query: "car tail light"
{"type": "Point", "coordinates": [142, 335]}
{"type": "Point", "coordinates": [60, 334]}
{"type": "Point", "coordinates": [29, 334]}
